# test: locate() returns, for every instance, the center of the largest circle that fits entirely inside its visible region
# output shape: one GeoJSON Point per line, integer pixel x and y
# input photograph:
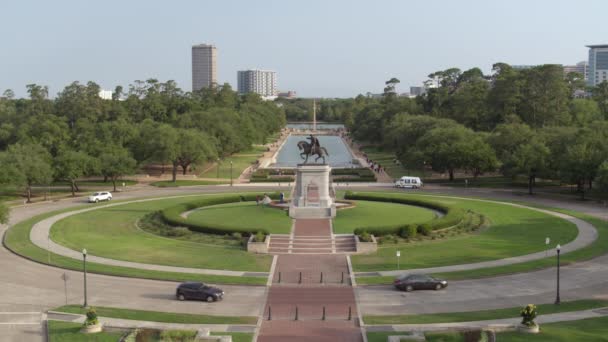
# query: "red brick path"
{"type": "Point", "coordinates": [311, 295]}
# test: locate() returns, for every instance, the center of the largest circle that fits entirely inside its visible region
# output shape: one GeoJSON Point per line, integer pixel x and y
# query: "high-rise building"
{"type": "Point", "coordinates": [263, 82]}
{"type": "Point", "coordinates": [580, 67]}
{"type": "Point", "coordinates": [417, 91]}
{"type": "Point", "coordinates": [204, 66]}
{"type": "Point", "coordinates": [598, 64]}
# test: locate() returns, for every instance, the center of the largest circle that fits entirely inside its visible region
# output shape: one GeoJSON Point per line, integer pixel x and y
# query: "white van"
{"type": "Point", "coordinates": [409, 182]}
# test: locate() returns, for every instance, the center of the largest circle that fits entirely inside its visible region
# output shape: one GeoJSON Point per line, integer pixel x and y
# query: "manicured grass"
{"type": "Point", "coordinates": [490, 182]}
{"type": "Point", "coordinates": [382, 336]}
{"type": "Point", "coordinates": [591, 329]}
{"type": "Point", "coordinates": [17, 239]}
{"type": "Point", "coordinates": [239, 164]}
{"type": "Point", "coordinates": [255, 149]}
{"type": "Point", "coordinates": [387, 160]}
{"type": "Point", "coordinates": [155, 316]}
{"type": "Point", "coordinates": [243, 215]}
{"type": "Point", "coordinates": [513, 231]}
{"type": "Point", "coordinates": [595, 249]}
{"type": "Point", "coordinates": [236, 337]}
{"type": "Point", "coordinates": [70, 332]}
{"type": "Point", "coordinates": [112, 233]}
{"type": "Point", "coordinates": [179, 182]}
{"type": "Point", "coordinates": [368, 214]}
{"type": "Point", "coordinates": [452, 317]}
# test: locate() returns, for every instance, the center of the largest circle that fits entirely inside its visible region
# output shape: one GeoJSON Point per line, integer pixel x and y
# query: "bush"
{"type": "Point", "coordinates": [365, 237]}
{"type": "Point", "coordinates": [528, 314]}
{"type": "Point", "coordinates": [172, 215]}
{"type": "Point", "coordinates": [91, 317]}
{"type": "Point", "coordinates": [453, 216]}
{"type": "Point", "coordinates": [259, 237]}
{"type": "Point", "coordinates": [408, 232]}
{"type": "Point", "coordinates": [179, 231]}
{"type": "Point", "coordinates": [424, 229]}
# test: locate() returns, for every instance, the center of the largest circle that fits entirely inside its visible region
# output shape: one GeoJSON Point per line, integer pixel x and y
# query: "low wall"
{"type": "Point", "coordinates": [258, 247]}
{"type": "Point", "coordinates": [366, 247]}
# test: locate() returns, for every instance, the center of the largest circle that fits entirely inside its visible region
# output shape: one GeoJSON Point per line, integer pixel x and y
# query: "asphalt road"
{"type": "Point", "coordinates": [31, 288]}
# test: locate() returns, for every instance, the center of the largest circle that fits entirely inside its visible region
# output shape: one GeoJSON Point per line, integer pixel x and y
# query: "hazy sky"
{"type": "Point", "coordinates": [319, 48]}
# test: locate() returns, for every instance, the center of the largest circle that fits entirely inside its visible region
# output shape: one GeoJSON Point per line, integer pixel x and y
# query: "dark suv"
{"type": "Point", "coordinates": [419, 282]}
{"type": "Point", "coordinates": [192, 290]}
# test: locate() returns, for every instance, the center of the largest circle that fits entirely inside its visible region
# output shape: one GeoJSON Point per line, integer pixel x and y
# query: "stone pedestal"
{"type": "Point", "coordinates": [312, 196]}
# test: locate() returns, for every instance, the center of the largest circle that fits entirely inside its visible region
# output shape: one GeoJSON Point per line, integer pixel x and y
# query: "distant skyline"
{"type": "Point", "coordinates": [318, 48]}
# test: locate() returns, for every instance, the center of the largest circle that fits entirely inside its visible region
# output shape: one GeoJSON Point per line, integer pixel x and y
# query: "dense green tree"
{"type": "Point", "coordinates": [600, 94]}
{"type": "Point", "coordinates": [546, 96]}
{"type": "Point", "coordinates": [531, 159]}
{"type": "Point", "coordinates": [602, 177]}
{"type": "Point", "coordinates": [71, 165]}
{"type": "Point", "coordinates": [116, 162]}
{"type": "Point", "coordinates": [26, 165]}
{"type": "Point", "coordinates": [192, 147]}
{"type": "Point", "coordinates": [585, 111]}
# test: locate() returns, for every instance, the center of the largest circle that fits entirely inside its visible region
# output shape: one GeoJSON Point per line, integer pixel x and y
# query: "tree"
{"type": "Point", "coordinates": [546, 96]}
{"type": "Point", "coordinates": [8, 94]}
{"type": "Point", "coordinates": [585, 111]}
{"type": "Point", "coordinates": [116, 162]}
{"type": "Point", "coordinates": [71, 165]}
{"type": "Point", "coordinates": [3, 214]}
{"type": "Point", "coordinates": [27, 165]}
{"type": "Point", "coordinates": [192, 147]}
{"type": "Point", "coordinates": [531, 159]}
{"type": "Point", "coordinates": [600, 95]}
{"type": "Point", "coordinates": [602, 177]}
{"type": "Point", "coordinates": [389, 90]}
{"type": "Point", "coordinates": [581, 160]}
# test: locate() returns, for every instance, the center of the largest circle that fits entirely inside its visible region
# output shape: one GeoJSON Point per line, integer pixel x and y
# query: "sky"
{"type": "Point", "coordinates": [338, 48]}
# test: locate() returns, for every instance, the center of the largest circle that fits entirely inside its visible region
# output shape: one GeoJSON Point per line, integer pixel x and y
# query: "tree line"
{"type": "Point", "coordinates": [535, 122]}
{"type": "Point", "coordinates": [79, 134]}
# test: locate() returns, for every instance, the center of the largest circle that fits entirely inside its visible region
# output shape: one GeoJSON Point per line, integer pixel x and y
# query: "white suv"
{"type": "Point", "coordinates": [100, 196]}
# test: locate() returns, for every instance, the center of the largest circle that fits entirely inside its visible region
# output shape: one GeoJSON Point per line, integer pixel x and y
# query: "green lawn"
{"type": "Point", "coordinates": [17, 239]}
{"type": "Point", "coordinates": [243, 214]}
{"type": "Point", "coordinates": [513, 231]}
{"type": "Point", "coordinates": [591, 329]}
{"type": "Point", "coordinates": [387, 160]}
{"type": "Point", "coordinates": [451, 317]}
{"type": "Point", "coordinates": [188, 182]}
{"type": "Point", "coordinates": [155, 316]}
{"type": "Point", "coordinates": [70, 332]}
{"type": "Point", "coordinates": [239, 164]}
{"type": "Point", "coordinates": [369, 213]}
{"type": "Point", "coordinates": [112, 233]}
{"type": "Point", "coordinates": [236, 337]}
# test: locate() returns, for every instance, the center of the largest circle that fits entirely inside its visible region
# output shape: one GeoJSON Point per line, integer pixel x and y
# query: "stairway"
{"type": "Point", "coordinates": [316, 244]}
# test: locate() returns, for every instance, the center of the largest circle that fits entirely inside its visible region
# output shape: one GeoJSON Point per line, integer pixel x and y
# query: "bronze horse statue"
{"type": "Point", "coordinates": [306, 150]}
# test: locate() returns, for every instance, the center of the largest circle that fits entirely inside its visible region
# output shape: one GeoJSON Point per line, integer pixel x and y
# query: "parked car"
{"type": "Point", "coordinates": [100, 196]}
{"type": "Point", "coordinates": [408, 182]}
{"type": "Point", "coordinates": [194, 290]}
{"type": "Point", "coordinates": [409, 282]}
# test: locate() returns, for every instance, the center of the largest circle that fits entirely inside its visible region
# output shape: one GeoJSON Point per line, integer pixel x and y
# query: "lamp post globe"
{"type": "Point", "coordinates": [557, 299]}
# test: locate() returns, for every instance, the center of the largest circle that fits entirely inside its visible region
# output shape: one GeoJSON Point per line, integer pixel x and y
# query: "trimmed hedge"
{"type": "Point", "coordinates": [340, 175]}
{"type": "Point", "coordinates": [453, 216]}
{"type": "Point", "coordinates": [172, 215]}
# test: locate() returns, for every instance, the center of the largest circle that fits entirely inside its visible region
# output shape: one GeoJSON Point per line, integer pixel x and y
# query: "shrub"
{"type": "Point", "coordinates": [365, 237]}
{"type": "Point", "coordinates": [91, 317]}
{"type": "Point", "coordinates": [172, 215]}
{"type": "Point", "coordinates": [528, 314]}
{"type": "Point", "coordinates": [424, 229]}
{"type": "Point", "coordinates": [259, 237]}
{"type": "Point", "coordinates": [237, 236]}
{"type": "Point", "coordinates": [178, 231]}
{"type": "Point", "coordinates": [408, 232]}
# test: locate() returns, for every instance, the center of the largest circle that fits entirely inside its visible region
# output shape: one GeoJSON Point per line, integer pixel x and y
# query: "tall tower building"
{"type": "Point", "coordinates": [598, 64]}
{"type": "Point", "coordinates": [263, 82]}
{"type": "Point", "coordinates": [204, 66]}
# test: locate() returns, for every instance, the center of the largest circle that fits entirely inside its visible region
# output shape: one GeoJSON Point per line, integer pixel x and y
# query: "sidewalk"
{"type": "Point", "coordinates": [496, 324]}
{"type": "Point", "coordinates": [131, 324]}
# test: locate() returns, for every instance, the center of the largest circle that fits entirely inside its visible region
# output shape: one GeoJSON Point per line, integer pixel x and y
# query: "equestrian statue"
{"type": "Point", "coordinates": [313, 148]}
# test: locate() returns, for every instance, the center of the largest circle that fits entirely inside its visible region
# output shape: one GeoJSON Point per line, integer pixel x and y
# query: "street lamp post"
{"type": "Point", "coordinates": [231, 173]}
{"type": "Point", "coordinates": [557, 300]}
{"type": "Point", "coordinates": [84, 266]}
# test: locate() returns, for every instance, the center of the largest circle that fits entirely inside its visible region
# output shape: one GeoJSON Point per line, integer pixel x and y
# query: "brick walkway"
{"type": "Point", "coordinates": [310, 282]}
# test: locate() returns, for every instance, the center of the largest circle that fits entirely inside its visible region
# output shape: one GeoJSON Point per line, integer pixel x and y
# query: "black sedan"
{"type": "Point", "coordinates": [419, 282]}
{"type": "Point", "coordinates": [194, 290]}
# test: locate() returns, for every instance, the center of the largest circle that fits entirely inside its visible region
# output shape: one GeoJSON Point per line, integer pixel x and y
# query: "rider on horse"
{"type": "Point", "coordinates": [314, 144]}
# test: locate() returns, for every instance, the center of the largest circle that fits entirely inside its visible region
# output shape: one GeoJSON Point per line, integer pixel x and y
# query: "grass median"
{"type": "Point", "coordinates": [597, 248]}
{"type": "Point", "coordinates": [17, 239]}
{"type": "Point", "coordinates": [156, 316]}
{"type": "Point", "coordinates": [471, 316]}
{"type": "Point", "coordinates": [514, 231]}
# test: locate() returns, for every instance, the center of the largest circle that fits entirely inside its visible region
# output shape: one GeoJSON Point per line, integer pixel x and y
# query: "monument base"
{"type": "Point", "coordinates": [312, 196]}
